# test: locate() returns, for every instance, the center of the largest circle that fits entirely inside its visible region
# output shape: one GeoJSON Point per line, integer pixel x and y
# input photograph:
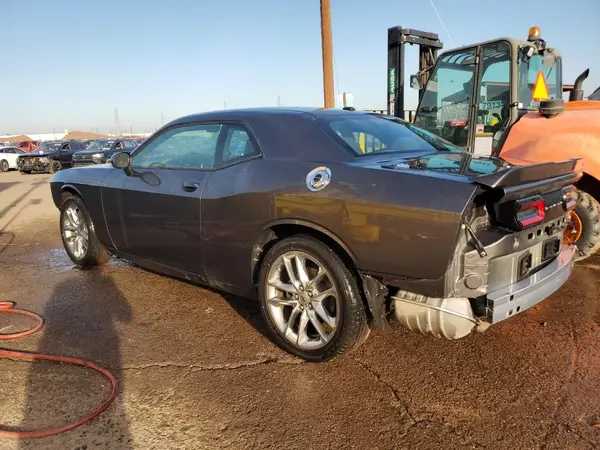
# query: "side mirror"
{"type": "Point", "coordinates": [414, 82]}
{"type": "Point", "coordinates": [121, 160]}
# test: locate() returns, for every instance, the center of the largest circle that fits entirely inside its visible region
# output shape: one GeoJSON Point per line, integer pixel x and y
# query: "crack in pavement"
{"type": "Point", "coordinates": [414, 421]}
{"type": "Point", "coordinates": [213, 367]}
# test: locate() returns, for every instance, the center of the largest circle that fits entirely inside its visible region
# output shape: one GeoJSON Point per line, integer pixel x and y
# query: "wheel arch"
{"type": "Point", "coordinates": [590, 184]}
{"type": "Point", "coordinates": [282, 229]}
{"type": "Point", "coordinates": [70, 189]}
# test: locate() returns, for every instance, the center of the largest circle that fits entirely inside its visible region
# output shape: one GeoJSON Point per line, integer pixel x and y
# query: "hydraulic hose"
{"type": "Point", "coordinates": [9, 307]}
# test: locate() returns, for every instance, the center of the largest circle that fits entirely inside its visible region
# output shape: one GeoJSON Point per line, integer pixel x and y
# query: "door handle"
{"type": "Point", "coordinates": [190, 186]}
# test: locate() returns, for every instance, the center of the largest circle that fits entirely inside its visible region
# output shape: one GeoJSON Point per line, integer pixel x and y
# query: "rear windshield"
{"type": "Point", "coordinates": [365, 134]}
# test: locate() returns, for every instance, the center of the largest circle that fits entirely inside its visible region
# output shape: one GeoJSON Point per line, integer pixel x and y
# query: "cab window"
{"type": "Point", "coordinates": [444, 107]}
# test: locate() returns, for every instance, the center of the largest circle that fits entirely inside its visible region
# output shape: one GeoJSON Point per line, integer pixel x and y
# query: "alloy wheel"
{"type": "Point", "coordinates": [75, 231]}
{"type": "Point", "coordinates": [302, 300]}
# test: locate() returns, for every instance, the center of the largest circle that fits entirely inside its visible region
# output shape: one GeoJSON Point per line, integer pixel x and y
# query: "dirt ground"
{"type": "Point", "coordinates": [196, 370]}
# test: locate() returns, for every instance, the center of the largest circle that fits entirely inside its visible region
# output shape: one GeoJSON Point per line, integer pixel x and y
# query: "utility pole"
{"type": "Point", "coordinates": [278, 100]}
{"type": "Point", "coordinates": [327, 54]}
{"type": "Point", "coordinates": [162, 119]}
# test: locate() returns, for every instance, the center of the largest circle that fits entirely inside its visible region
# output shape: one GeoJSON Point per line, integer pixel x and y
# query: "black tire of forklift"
{"type": "Point", "coordinates": [588, 210]}
{"type": "Point", "coordinates": [55, 166]}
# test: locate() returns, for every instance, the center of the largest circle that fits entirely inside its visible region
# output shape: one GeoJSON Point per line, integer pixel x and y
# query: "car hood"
{"type": "Point", "coordinates": [91, 152]}
{"type": "Point", "coordinates": [37, 154]}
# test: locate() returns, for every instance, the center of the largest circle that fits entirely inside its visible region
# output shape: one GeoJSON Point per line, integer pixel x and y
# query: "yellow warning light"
{"type": "Point", "coordinates": [534, 33]}
{"type": "Point", "coordinates": [540, 88]}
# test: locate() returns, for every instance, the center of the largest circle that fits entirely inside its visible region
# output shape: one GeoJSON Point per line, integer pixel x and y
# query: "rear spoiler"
{"type": "Point", "coordinates": [568, 172]}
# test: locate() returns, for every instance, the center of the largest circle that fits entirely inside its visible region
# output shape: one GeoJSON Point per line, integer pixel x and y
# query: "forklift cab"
{"type": "Point", "coordinates": [475, 93]}
{"type": "Point", "coordinates": [471, 95]}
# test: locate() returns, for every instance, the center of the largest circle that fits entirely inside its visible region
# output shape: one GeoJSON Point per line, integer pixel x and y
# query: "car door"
{"type": "Point", "coordinates": [154, 211]}
{"type": "Point", "coordinates": [64, 154]}
{"type": "Point", "coordinates": [8, 154]}
{"type": "Point", "coordinates": [233, 212]}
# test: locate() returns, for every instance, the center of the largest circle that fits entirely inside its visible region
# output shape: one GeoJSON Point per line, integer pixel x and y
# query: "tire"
{"type": "Point", "coordinates": [587, 209]}
{"type": "Point", "coordinates": [350, 328]}
{"type": "Point", "coordinates": [95, 254]}
{"type": "Point", "coordinates": [55, 166]}
{"type": "Point", "coordinates": [4, 166]}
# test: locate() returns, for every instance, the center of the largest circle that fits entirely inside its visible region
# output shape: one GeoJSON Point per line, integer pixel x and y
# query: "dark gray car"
{"type": "Point", "coordinates": [334, 220]}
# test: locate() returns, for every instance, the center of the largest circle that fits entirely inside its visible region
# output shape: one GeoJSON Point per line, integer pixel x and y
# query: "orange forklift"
{"type": "Point", "coordinates": [504, 98]}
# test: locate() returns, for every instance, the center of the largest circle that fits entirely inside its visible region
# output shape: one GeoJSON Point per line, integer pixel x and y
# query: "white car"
{"type": "Point", "coordinates": [8, 158]}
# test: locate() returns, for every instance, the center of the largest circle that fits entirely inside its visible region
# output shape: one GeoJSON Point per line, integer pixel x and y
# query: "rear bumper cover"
{"type": "Point", "coordinates": [516, 298]}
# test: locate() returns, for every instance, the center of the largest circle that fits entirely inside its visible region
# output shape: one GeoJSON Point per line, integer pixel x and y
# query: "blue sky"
{"type": "Point", "coordinates": [69, 64]}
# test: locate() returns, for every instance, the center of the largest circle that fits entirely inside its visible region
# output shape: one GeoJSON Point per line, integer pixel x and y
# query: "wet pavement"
{"type": "Point", "coordinates": [197, 371]}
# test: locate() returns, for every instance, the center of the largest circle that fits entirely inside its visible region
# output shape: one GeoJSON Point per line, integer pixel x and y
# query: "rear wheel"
{"type": "Point", "coordinates": [4, 166]}
{"type": "Point", "coordinates": [310, 300]}
{"type": "Point", "coordinates": [78, 234]}
{"type": "Point", "coordinates": [583, 228]}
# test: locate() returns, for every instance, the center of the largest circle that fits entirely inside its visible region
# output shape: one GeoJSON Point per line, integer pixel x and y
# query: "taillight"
{"type": "Point", "coordinates": [531, 211]}
{"type": "Point", "coordinates": [568, 202]}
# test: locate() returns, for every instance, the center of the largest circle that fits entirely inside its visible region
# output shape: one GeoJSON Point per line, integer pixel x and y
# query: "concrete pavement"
{"type": "Point", "coordinates": [197, 371]}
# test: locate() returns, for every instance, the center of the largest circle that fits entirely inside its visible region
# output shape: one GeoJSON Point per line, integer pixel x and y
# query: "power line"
{"type": "Point", "coordinates": [442, 22]}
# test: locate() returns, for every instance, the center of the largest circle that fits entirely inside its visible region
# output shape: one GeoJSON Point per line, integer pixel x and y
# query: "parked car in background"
{"type": "Point", "coordinates": [49, 157]}
{"type": "Point", "coordinates": [8, 158]}
{"type": "Point", "coordinates": [27, 146]}
{"type": "Point", "coordinates": [284, 205]}
{"type": "Point", "coordinates": [99, 151]}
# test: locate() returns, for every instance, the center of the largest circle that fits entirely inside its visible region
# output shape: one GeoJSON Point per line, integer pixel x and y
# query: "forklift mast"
{"type": "Point", "coordinates": [428, 43]}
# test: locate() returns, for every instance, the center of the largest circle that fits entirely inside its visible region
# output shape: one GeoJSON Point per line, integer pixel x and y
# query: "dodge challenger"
{"type": "Point", "coordinates": [335, 221]}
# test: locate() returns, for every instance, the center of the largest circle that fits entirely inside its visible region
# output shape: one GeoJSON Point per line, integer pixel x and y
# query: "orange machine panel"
{"type": "Point", "coordinates": [571, 134]}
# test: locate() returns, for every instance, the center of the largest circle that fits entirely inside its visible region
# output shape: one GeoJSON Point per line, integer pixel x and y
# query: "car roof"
{"type": "Point", "coordinates": [265, 112]}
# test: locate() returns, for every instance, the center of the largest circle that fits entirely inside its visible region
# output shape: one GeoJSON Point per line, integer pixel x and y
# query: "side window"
{"type": "Point", "coordinates": [7, 150]}
{"type": "Point", "coordinates": [65, 148]}
{"type": "Point", "coordinates": [237, 144]}
{"type": "Point", "coordinates": [494, 96]}
{"type": "Point", "coordinates": [444, 108]}
{"type": "Point", "coordinates": [129, 145]}
{"type": "Point", "coordinates": [186, 147]}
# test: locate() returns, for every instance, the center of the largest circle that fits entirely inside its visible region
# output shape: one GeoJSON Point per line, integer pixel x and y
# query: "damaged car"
{"type": "Point", "coordinates": [335, 221]}
{"type": "Point", "coordinates": [49, 157]}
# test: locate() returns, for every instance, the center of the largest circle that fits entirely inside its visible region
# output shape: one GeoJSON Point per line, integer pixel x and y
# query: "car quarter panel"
{"type": "Point", "coordinates": [87, 183]}
{"type": "Point", "coordinates": [398, 224]}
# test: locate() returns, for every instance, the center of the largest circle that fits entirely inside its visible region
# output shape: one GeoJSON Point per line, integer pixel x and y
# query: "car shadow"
{"type": "Point", "coordinates": [82, 319]}
{"type": "Point", "coordinates": [246, 308]}
{"type": "Point", "coordinates": [21, 197]}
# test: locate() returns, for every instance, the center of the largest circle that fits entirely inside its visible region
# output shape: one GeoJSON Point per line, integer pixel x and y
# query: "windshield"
{"type": "Point", "coordinates": [366, 134]}
{"type": "Point", "coordinates": [528, 75]}
{"type": "Point", "coordinates": [100, 145]}
{"type": "Point", "coordinates": [49, 147]}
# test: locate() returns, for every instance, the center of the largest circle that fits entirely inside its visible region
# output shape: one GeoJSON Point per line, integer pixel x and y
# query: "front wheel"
{"type": "Point", "coordinates": [310, 300]}
{"type": "Point", "coordinates": [55, 166]}
{"type": "Point", "coordinates": [583, 228]}
{"type": "Point", "coordinates": [4, 166]}
{"type": "Point", "coordinates": [78, 234]}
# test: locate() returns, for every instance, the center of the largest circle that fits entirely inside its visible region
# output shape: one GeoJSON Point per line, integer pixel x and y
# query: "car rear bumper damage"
{"type": "Point", "coordinates": [508, 287]}
{"type": "Point", "coordinates": [524, 294]}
